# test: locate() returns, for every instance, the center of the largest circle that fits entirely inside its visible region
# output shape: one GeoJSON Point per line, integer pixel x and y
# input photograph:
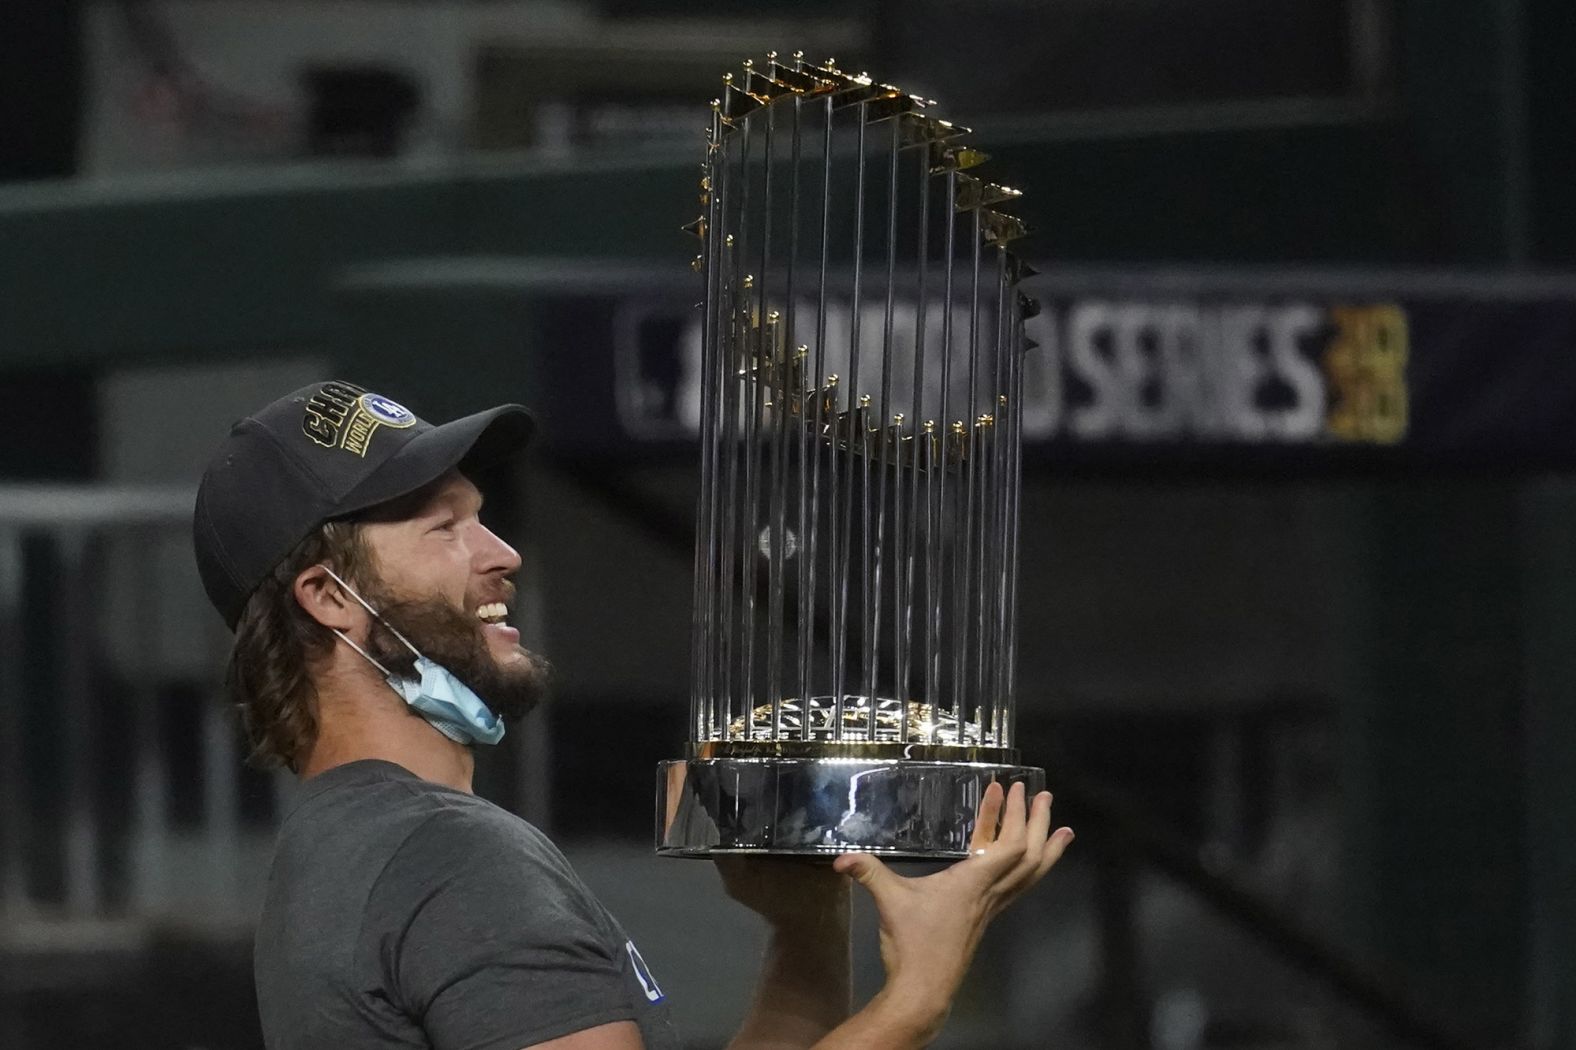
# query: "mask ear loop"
{"type": "Point", "coordinates": [375, 615]}
{"type": "Point", "coordinates": [364, 654]}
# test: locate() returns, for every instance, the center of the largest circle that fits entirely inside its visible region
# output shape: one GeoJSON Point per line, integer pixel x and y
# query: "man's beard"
{"type": "Point", "coordinates": [448, 636]}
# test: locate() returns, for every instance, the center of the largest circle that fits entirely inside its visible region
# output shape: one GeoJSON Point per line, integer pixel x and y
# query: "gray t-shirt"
{"type": "Point", "coordinates": [404, 913]}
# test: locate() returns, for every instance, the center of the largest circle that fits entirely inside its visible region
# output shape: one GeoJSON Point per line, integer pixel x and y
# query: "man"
{"type": "Point", "coordinates": [339, 536]}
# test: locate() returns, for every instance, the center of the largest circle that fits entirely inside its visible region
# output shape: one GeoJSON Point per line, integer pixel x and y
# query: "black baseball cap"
{"type": "Point", "coordinates": [326, 451]}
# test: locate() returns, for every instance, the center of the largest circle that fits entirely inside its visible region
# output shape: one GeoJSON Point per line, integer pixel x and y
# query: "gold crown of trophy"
{"type": "Point", "coordinates": [861, 432]}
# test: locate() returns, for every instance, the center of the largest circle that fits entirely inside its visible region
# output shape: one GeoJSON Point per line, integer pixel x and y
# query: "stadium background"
{"type": "Point", "coordinates": [1300, 669]}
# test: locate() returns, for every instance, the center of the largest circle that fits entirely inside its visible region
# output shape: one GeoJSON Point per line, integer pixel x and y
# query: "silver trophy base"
{"type": "Point", "coordinates": [825, 806]}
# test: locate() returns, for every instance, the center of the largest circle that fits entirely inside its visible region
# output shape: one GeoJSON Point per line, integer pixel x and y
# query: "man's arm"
{"type": "Point", "coordinates": [620, 1035]}
{"type": "Point", "coordinates": [805, 983]}
{"type": "Point", "coordinates": [803, 1001]}
{"type": "Point", "coordinates": [930, 929]}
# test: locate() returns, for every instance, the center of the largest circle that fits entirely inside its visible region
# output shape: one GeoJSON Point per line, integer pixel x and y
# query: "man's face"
{"type": "Point", "coordinates": [442, 580]}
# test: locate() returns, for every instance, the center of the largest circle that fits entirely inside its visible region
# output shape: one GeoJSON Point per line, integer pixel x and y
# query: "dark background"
{"type": "Point", "coordinates": [1309, 709]}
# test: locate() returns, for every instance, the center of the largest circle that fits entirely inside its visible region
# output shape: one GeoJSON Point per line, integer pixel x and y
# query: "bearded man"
{"type": "Point", "coordinates": [339, 536]}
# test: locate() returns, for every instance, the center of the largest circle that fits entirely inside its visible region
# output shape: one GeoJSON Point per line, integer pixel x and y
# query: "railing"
{"type": "Point", "coordinates": [124, 805]}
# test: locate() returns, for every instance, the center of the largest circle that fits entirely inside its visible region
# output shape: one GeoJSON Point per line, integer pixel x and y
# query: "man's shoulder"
{"type": "Point", "coordinates": [472, 855]}
{"type": "Point", "coordinates": [465, 831]}
{"type": "Point", "coordinates": [380, 808]}
{"type": "Point", "coordinates": [415, 822]}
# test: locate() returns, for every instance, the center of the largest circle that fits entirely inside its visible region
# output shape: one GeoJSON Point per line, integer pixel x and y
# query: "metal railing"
{"type": "Point", "coordinates": [121, 780]}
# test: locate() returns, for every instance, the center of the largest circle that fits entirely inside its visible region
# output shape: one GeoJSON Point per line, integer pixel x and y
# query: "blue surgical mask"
{"type": "Point", "coordinates": [448, 704]}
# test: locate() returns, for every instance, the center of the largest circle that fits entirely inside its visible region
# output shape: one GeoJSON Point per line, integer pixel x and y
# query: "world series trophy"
{"type": "Point", "coordinates": [861, 422]}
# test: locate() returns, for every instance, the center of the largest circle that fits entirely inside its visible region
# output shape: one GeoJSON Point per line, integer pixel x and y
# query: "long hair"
{"type": "Point", "coordinates": [268, 678]}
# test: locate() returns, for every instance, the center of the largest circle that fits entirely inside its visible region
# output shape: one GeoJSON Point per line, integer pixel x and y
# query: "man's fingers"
{"type": "Point", "coordinates": [1014, 816]}
{"type": "Point", "coordinates": [998, 860]}
{"type": "Point", "coordinates": [1034, 845]}
{"type": "Point", "coordinates": [989, 815]}
{"type": "Point", "coordinates": [865, 870]}
{"type": "Point", "coordinates": [1054, 848]}
{"type": "Point", "coordinates": [1039, 819]}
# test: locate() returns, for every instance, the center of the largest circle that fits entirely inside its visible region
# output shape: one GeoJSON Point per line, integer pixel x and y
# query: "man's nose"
{"type": "Point", "coordinates": [494, 555]}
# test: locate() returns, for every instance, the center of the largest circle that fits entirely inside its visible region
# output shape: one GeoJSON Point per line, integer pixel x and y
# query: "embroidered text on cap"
{"type": "Point", "coordinates": [342, 415]}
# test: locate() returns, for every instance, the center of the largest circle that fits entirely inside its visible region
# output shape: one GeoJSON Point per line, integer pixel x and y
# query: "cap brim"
{"type": "Point", "coordinates": [477, 440]}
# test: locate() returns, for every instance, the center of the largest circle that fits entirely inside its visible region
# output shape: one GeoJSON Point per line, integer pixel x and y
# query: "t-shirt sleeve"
{"type": "Point", "coordinates": [488, 942]}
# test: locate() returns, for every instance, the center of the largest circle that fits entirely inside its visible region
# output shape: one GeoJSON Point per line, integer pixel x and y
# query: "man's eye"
{"type": "Point", "coordinates": [445, 526]}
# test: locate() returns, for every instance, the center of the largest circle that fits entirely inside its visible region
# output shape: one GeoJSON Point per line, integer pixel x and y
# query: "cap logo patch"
{"type": "Point", "coordinates": [386, 410]}
{"type": "Point", "coordinates": [342, 415]}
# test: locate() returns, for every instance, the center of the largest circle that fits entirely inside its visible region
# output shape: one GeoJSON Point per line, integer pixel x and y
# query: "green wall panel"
{"type": "Point", "coordinates": [209, 265]}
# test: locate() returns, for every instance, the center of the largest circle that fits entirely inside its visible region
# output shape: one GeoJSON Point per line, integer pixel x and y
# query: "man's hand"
{"type": "Point", "coordinates": [787, 892]}
{"type": "Point", "coordinates": [931, 926]}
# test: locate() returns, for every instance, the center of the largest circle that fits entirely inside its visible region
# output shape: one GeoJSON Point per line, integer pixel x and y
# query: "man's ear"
{"type": "Point", "coordinates": [326, 601]}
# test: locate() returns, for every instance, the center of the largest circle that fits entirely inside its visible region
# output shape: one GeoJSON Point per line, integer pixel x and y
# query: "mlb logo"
{"type": "Point", "coordinates": [648, 983]}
